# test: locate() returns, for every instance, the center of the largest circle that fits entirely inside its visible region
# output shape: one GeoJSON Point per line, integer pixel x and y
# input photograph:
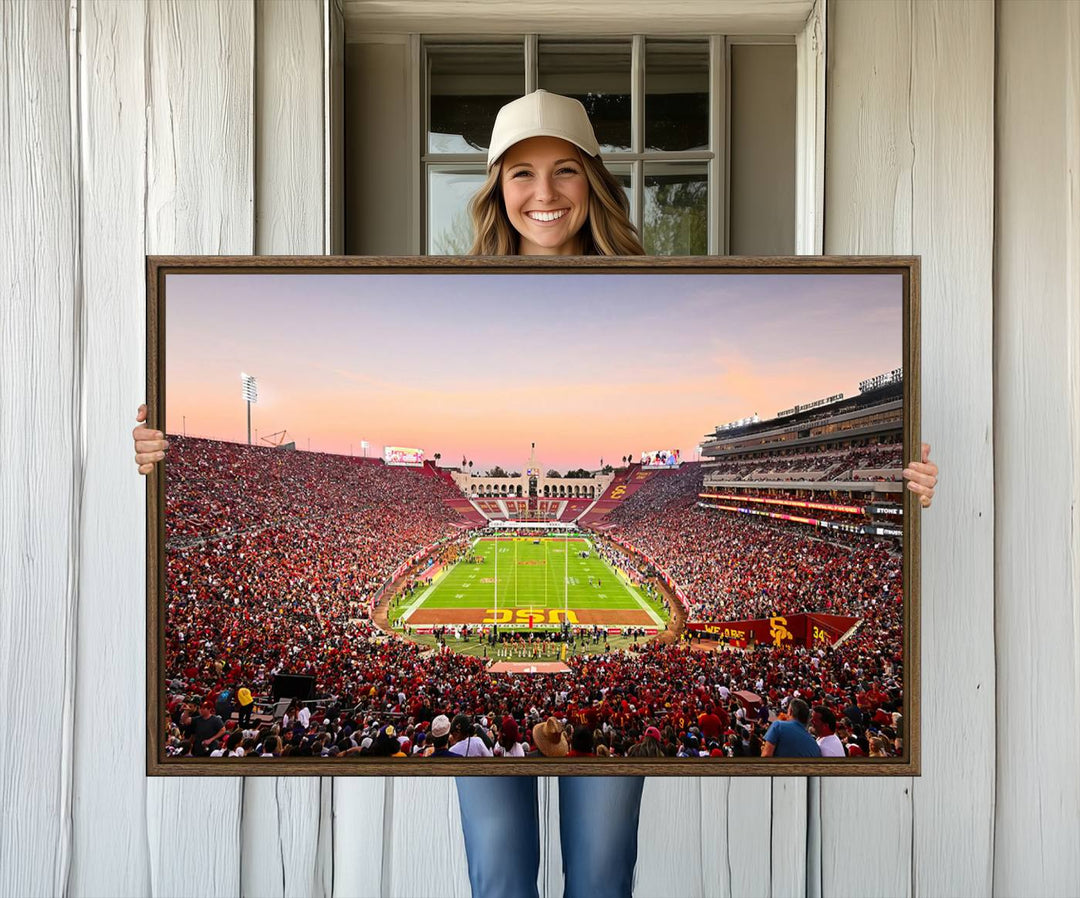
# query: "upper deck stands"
{"type": "Point", "coordinates": [625, 484]}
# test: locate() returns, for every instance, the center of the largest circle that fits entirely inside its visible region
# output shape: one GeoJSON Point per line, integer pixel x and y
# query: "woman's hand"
{"type": "Point", "coordinates": [150, 445]}
{"type": "Point", "coordinates": [922, 477]}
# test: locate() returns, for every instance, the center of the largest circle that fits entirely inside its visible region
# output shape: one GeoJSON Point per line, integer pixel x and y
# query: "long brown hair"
{"type": "Point", "coordinates": [608, 230]}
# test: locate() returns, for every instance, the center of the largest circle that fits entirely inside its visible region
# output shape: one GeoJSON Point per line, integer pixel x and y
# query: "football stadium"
{"type": "Point", "coordinates": [546, 582]}
{"type": "Point", "coordinates": [656, 607]}
{"type": "Point", "coordinates": [438, 539]}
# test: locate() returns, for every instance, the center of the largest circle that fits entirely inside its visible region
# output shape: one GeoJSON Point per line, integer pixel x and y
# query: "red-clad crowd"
{"type": "Point", "coordinates": [272, 558]}
{"type": "Point", "coordinates": [609, 700]}
{"type": "Point", "coordinates": [839, 464]}
{"type": "Point", "coordinates": [269, 553]}
{"type": "Point", "coordinates": [731, 566]}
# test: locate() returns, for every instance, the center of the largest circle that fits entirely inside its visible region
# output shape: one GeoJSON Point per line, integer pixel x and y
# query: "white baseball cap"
{"type": "Point", "coordinates": [541, 114]}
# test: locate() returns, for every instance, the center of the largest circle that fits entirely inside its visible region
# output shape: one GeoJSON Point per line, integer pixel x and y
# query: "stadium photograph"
{"type": "Point", "coordinates": [413, 517]}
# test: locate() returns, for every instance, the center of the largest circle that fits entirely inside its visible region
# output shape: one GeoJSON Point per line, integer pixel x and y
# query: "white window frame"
{"type": "Point", "coordinates": [810, 134]}
{"type": "Point", "coordinates": [810, 125]}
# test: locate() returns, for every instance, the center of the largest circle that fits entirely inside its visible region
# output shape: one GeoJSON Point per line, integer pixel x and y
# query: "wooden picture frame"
{"type": "Point", "coordinates": [681, 270]}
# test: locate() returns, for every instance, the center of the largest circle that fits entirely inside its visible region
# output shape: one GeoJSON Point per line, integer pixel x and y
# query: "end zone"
{"type": "Point", "coordinates": [531, 617]}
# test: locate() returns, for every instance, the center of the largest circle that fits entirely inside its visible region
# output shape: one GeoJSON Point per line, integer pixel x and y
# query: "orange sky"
{"type": "Point", "coordinates": [587, 366]}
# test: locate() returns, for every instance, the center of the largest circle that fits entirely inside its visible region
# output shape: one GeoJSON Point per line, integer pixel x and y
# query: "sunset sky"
{"type": "Point", "coordinates": [481, 365]}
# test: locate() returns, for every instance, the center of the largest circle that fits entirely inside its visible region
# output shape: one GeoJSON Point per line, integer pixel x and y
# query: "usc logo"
{"type": "Point", "coordinates": [529, 616]}
{"type": "Point", "coordinates": [778, 630]}
{"type": "Point", "coordinates": [618, 492]}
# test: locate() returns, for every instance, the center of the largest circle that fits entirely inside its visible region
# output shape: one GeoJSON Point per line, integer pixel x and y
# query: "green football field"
{"type": "Point", "coordinates": [541, 582]}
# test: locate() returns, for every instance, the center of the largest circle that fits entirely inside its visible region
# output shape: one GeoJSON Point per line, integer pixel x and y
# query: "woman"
{"type": "Point", "coordinates": [508, 744]}
{"type": "Point", "coordinates": [649, 746]}
{"type": "Point", "coordinates": [547, 193]}
{"type": "Point", "coordinates": [231, 748]}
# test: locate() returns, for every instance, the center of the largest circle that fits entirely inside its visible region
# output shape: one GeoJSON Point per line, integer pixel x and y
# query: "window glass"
{"type": "Point", "coordinates": [467, 84]}
{"type": "Point", "coordinates": [623, 174]}
{"type": "Point", "coordinates": [597, 74]}
{"type": "Point", "coordinates": [676, 95]}
{"type": "Point", "coordinates": [676, 209]}
{"type": "Point", "coordinates": [449, 191]}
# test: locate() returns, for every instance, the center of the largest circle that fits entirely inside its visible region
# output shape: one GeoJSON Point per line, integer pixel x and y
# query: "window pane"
{"type": "Point", "coordinates": [466, 87]}
{"type": "Point", "coordinates": [676, 95]}
{"type": "Point", "coordinates": [623, 174]}
{"type": "Point", "coordinates": [449, 191]}
{"type": "Point", "coordinates": [597, 74]}
{"type": "Point", "coordinates": [676, 209]}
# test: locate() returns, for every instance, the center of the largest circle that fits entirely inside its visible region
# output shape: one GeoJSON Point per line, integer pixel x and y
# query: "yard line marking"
{"type": "Point", "coordinates": [422, 596]}
{"type": "Point", "coordinates": [417, 602]}
{"type": "Point", "coordinates": [641, 602]}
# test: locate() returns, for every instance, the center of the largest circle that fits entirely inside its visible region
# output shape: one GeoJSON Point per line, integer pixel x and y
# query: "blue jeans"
{"type": "Point", "coordinates": [598, 823]}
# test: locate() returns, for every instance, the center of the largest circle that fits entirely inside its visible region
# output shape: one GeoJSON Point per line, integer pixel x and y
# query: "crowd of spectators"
{"type": "Point", "coordinates": [839, 464]}
{"type": "Point", "coordinates": [270, 554]}
{"type": "Point", "coordinates": [273, 558]}
{"type": "Point", "coordinates": [732, 566]}
{"type": "Point", "coordinates": [607, 704]}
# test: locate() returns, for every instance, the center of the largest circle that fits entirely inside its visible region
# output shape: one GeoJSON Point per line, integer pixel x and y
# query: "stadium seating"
{"type": "Point", "coordinates": [469, 514]}
{"type": "Point", "coordinates": [625, 483]}
{"type": "Point", "coordinates": [842, 464]}
{"type": "Point", "coordinates": [573, 509]}
{"type": "Point", "coordinates": [274, 557]}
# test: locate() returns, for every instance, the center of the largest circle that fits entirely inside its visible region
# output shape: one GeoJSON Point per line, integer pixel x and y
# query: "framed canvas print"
{"type": "Point", "coordinates": [603, 516]}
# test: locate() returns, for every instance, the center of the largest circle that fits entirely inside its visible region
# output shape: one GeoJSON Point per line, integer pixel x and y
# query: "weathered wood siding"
{"type": "Point", "coordinates": [910, 169]}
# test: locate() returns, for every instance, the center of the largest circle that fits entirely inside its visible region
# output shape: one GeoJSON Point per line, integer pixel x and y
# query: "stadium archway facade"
{"type": "Point", "coordinates": [532, 494]}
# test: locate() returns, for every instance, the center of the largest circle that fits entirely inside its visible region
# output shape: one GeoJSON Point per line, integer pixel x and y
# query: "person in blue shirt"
{"type": "Point", "coordinates": [791, 738]}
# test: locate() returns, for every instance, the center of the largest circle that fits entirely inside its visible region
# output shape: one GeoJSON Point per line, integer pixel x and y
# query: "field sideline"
{"type": "Point", "coordinates": [541, 582]}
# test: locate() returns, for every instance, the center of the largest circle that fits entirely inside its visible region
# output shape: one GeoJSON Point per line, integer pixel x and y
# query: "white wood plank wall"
{"type": "Point", "coordinates": [868, 209]}
{"type": "Point", "coordinates": [286, 840]}
{"type": "Point", "coordinates": [1037, 448]}
{"type": "Point", "coordinates": [41, 424]}
{"type": "Point", "coordinates": [174, 126]}
{"type": "Point", "coordinates": [909, 169]}
{"type": "Point", "coordinates": [110, 673]}
{"type": "Point", "coordinates": [199, 197]}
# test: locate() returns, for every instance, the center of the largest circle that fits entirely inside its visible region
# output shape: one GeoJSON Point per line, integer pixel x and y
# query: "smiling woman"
{"type": "Point", "coordinates": [547, 190]}
{"type": "Point", "coordinates": [546, 196]}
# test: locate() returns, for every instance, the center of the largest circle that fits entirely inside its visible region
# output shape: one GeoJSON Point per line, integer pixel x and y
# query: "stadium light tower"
{"type": "Point", "coordinates": [250, 391]}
